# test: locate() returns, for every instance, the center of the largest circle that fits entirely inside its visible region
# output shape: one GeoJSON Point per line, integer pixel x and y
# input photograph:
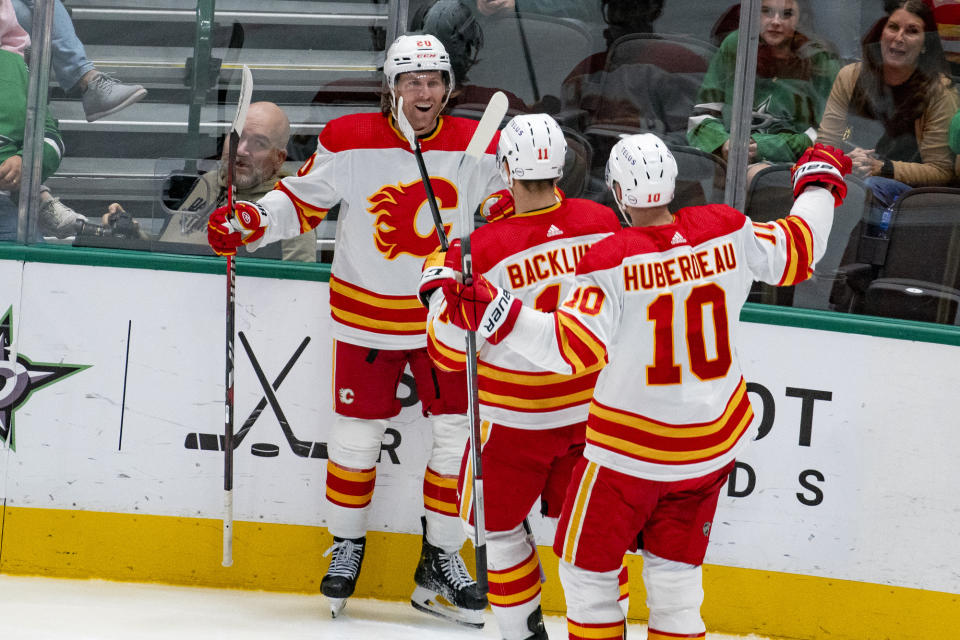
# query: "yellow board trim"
{"type": "Point", "coordinates": [277, 557]}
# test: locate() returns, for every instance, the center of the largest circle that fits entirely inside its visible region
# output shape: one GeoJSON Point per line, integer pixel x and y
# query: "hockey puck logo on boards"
{"type": "Point", "coordinates": [265, 449]}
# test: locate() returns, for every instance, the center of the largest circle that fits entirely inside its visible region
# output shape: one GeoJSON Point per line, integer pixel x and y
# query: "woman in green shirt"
{"type": "Point", "coordinates": [794, 76]}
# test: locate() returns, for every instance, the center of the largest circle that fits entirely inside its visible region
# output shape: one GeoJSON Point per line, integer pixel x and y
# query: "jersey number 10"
{"type": "Point", "coordinates": [665, 369]}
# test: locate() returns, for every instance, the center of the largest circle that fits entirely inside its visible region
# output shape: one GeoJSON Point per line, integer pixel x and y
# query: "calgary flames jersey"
{"type": "Point", "coordinates": [385, 228]}
{"type": "Point", "coordinates": [661, 306]}
{"type": "Point", "coordinates": [534, 255]}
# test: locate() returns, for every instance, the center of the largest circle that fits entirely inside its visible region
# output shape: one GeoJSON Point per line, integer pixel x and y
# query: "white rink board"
{"type": "Point", "coordinates": [884, 444]}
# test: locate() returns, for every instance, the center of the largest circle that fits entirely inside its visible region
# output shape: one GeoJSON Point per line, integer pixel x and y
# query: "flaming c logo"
{"type": "Point", "coordinates": [397, 208]}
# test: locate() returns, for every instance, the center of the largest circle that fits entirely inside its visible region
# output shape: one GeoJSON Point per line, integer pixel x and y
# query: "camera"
{"type": "Point", "coordinates": [121, 226]}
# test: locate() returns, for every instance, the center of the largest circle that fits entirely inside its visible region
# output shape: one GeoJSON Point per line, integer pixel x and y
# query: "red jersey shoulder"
{"type": "Point", "coordinates": [703, 223]}
{"type": "Point", "coordinates": [592, 216]}
{"type": "Point", "coordinates": [693, 226]}
{"type": "Point", "coordinates": [453, 134]}
{"type": "Point", "coordinates": [360, 131]}
{"type": "Point", "coordinates": [608, 253]}
{"type": "Point", "coordinates": [574, 218]}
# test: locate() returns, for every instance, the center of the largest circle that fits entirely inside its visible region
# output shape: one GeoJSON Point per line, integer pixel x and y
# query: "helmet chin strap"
{"type": "Point", "coordinates": [625, 217]}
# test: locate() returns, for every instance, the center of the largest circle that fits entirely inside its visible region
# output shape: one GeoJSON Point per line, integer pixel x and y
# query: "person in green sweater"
{"type": "Point", "coordinates": [794, 76]}
{"type": "Point", "coordinates": [13, 113]}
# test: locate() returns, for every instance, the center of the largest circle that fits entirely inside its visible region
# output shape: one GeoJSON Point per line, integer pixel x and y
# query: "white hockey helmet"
{"type": "Point", "coordinates": [534, 147]}
{"type": "Point", "coordinates": [417, 52]}
{"type": "Point", "coordinates": [645, 170]}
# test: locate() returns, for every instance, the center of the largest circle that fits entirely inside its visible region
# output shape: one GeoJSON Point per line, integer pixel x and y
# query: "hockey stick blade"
{"type": "Point", "coordinates": [489, 124]}
{"type": "Point", "coordinates": [243, 104]}
{"type": "Point", "coordinates": [482, 136]}
{"type": "Point", "coordinates": [405, 127]}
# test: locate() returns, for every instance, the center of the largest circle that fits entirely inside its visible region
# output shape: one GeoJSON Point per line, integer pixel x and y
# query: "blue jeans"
{"type": "Point", "coordinates": [8, 218]}
{"type": "Point", "coordinates": [67, 55]}
{"type": "Point", "coordinates": [885, 193]}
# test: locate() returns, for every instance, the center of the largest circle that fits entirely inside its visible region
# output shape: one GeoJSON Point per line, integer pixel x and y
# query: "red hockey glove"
{"type": "Point", "coordinates": [481, 307]}
{"type": "Point", "coordinates": [225, 232]}
{"type": "Point", "coordinates": [433, 274]}
{"type": "Point", "coordinates": [498, 205]}
{"type": "Point", "coordinates": [823, 165]}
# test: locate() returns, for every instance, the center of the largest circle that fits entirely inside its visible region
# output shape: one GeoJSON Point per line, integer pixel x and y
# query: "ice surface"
{"type": "Point", "coordinates": [53, 609]}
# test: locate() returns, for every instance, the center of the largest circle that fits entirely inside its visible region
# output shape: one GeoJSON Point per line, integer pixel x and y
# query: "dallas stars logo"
{"type": "Point", "coordinates": [20, 377]}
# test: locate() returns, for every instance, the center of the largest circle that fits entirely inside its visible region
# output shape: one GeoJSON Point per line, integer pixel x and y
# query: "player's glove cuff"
{"type": "Point", "coordinates": [500, 316]}
{"type": "Point", "coordinates": [432, 279]}
{"type": "Point", "coordinates": [824, 165]}
{"type": "Point", "coordinates": [822, 173]}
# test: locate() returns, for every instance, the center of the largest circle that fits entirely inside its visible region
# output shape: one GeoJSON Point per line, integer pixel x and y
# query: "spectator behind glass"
{"type": "Point", "coordinates": [101, 93]}
{"type": "Point", "coordinates": [12, 37]}
{"type": "Point", "coordinates": [891, 112]}
{"type": "Point", "coordinates": [589, 85]}
{"type": "Point", "coordinates": [456, 26]}
{"type": "Point", "coordinates": [794, 75]}
{"type": "Point", "coordinates": [13, 110]}
{"type": "Point", "coordinates": [261, 153]}
{"type": "Point", "coordinates": [585, 10]}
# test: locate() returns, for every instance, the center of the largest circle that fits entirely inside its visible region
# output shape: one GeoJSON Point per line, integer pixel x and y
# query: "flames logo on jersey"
{"type": "Point", "coordinates": [397, 208]}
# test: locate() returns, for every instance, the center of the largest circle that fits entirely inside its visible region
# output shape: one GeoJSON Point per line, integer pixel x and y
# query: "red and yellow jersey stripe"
{"type": "Point", "coordinates": [799, 247]}
{"type": "Point", "coordinates": [445, 357]}
{"type": "Point", "coordinates": [361, 308]}
{"type": "Point", "coordinates": [538, 391]}
{"type": "Point", "coordinates": [653, 441]}
{"type": "Point", "coordinates": [309, 216]}
{"type": "Point", "coordinates": [579, 347]}
{"type": "Point", "coordinates": [595, 630]}
{"type": "Point", "coordinates": [515, 585]}
{"type": "Point", "coordinates": [350, 488]}
{"type": "Point", "coordinates": [514, 390]}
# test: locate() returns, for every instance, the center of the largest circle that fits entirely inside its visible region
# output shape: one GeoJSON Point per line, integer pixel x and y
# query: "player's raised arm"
{"type": "Point", "coordinates": [785, 251]}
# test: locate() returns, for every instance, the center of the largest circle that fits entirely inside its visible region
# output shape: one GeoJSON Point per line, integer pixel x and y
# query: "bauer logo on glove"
{"type": "Point", "coordinates": [824, 166]}
{"type": "Point", "coordinates": [482, 307]}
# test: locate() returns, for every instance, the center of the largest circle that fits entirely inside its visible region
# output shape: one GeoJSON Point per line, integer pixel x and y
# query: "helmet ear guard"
{"type": "Point", "coordinates": [531, 147]}
{"type": "Point", "coordinates": [644, 168]}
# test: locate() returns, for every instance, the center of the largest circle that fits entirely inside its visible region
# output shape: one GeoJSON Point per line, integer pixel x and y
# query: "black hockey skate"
{"type": "Point", "coordinates": [342, 574]}
{"type": "Point", "coordinates": [445, 588]}
{"type": "Point", "coordinates": [535, 624]}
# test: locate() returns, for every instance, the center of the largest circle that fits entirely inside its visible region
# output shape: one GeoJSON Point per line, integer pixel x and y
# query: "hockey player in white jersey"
{"type": "Point", "coordinates": [532, 420]}
{"type": "Point", "coordinates": [384, 232]}
{"type": "Point", "coordinates": [659, 303]}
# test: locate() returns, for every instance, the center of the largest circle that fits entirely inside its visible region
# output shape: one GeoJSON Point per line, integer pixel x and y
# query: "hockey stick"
{"type": "Point", "coordinates": [302, 448]}
{"type": "Point", "coordinates": [257, 410]}
{"type": "Point", "coordinates": [486, 129]}
{"type": "Point", "coordinates": [526, 54]}
{"type": "Point", "coordinates": [407, 130]}
{"type": "Point", "coordinates": [246, 91]}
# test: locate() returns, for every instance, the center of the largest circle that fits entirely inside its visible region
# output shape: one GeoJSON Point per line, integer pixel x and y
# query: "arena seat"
{"type": "Point", "coordinates": [920, 275]}
{"type": "Point", "coordinates": [770, 196]}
